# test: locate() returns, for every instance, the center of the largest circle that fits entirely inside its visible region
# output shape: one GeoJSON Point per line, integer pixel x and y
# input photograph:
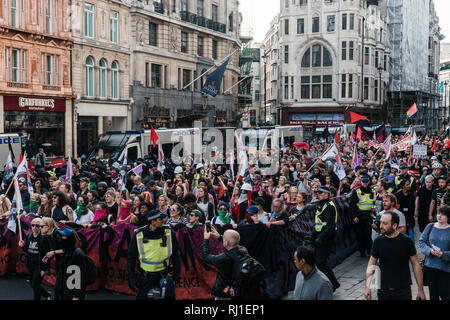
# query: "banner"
{"type": "Point", "coordinates": [274, 247]}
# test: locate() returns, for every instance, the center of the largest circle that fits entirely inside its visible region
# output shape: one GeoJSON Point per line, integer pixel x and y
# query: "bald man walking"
{"type": "Point", "coordinates": [224, 262]}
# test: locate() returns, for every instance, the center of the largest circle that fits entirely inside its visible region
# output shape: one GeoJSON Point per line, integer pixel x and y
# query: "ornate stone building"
{"type": "Point", "coordinates": [35, 73]}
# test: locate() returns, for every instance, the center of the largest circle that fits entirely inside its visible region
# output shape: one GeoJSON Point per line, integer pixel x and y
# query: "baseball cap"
{"type": "Point", "coordinates": [65, 232]}
{"type": "Point", "coordinates": [403, 166]}
{"type": "Point", "coordinates": [178, 170]}
{"type": "Point", "coordinates": [252, 209]}
{"type": "Point", "coordinates": [154, 214]}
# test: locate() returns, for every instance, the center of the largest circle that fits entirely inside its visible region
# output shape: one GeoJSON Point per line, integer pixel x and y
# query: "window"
{"type": "Point", "coordinates": [153, 34]}
{"type": "Point", "coordinates": [200, 8]}
{"type": "Point", "coordinates": [343, 85]}
{"type": "Point", "coordinates": [184, 42]}
{"type": "Point", "coordinates": [327, 86]}
{"type": "Point", "coordinates": [24, 66]}
{"type": "Point", "coordinates": [350, 50]}
{"type": "Point", "coordinates": [89, 77]}
{"type": "Point", "coordinates": [257, 96]}
{"type": "Point", "coordinates": [315, 24]}
{"type": "Point", "coordinates": [102, 79]}
{"type": "Point", "coordinates": [15, 65]}
{"type": "Point", "coordinates": [5, 11]}
{"type": "Point", "coordinates": [184, 7]}
{"type": "Point", "coordinates": [316, 56]}
{"type": "Point", "coordinates": [352, 21]}
{"type": "Point", "coordinates": [344, 50]}
{"type": "Point", "coordinates": [186, 78]}
{"type": "Point", "coordinates": [56, 16]}
{"type": "Point", "coordinates": [375, 91]}
{"type": "Point", "coordinates": [305, 87]}
{"type": "Point", "coordinates": [200, 46]}
{"type": "Point", "coordinates": [292, 87]}
{"type": "Point", "coordinates": [113, 27]}
{"type": "Point", "coordinates": [330, 23]}
{"type": "Point", "coordinates": [350, 86]}
{"type": "Point", "coordinates": [376, 59]}
{"type": "Point", "coordinates": [366, 88]}
{"type": "Point", "coordinates": [315, 60]}
{"type": "Point", "coordinates": [286, 54]}
{"type": "Point", "coordinates": [14, 14]}
{"type": "Point", "coordinates": [230, 22]}
{"type": "Point", "coordinates": [147, 75]}
{"type": "Point", "coordinates": [49, 70]}
{"type": "Point", "coordinates": [115, 80]}
{"type": "Point", "coordinates": [344, 21]}
{"type": "Point", "coordinates": [286, 88]}
{"type": "Point", "coordinates": [214, 49]}
{"type": "Point", "coordinates": [88, 20]}
{"type": "Point", "coordinates": [43, 68]}
{"type": "Point", "coordinates": [156, 75]}
{"type": "Point", "coordinates": [286, 3]}
{"type": "Point", "coordinates": [214, 13]}
{"type": "Point", "coordinates": [286, 26]}
{"type": "Point", "coordinates": [300, 26]}
{"type": "Point", "coordinates": [366, 55]}
{"type": "Point", "coordinates": [385, 62]}
{"type": "Point", "coordinates": [41, 15]}
{"type": "Point", "coordinates": [316, 84]}
{"type": "Point", "coordinates": [306, 59]}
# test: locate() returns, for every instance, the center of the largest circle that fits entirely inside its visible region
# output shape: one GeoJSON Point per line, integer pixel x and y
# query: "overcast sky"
{"type": "Point", "coordinates": [257, 15]}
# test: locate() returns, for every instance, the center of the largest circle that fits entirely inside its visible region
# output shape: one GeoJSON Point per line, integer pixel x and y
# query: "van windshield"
{"type": "Point", "coordinates": [111, 144]}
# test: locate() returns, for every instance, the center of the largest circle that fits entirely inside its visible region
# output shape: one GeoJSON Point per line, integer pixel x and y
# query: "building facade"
{"type": "Point", "coordinates": [444, 81]}
{"type": "Point", "coordinates": [333, 60]}
{"type": "Point", "coordinates": [35, 73]}
{"type": "Point", "coordinates": [414, 46]}
{"type": "Point", "coordinates": [101, 69]}
{"type": "Point", "coordinates": [174, 43]}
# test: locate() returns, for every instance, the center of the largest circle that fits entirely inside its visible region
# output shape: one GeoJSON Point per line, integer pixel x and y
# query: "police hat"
{"type": "Point", "coordinates": [323, 189]}
{"type": "Point", "coordinates": [155, 214]}
{"type": "Point", "coordinates": [365, 179]}
{"type": "Point", "coordinates": [403, 166]}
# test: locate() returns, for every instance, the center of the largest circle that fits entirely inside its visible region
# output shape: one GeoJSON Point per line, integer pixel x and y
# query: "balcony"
{"type": "Point", "coordinates": [202, 21]}
{"type": "Point", "coordinates": [17, 85]}
{"type": "Point", "coordinates": [51, 88]}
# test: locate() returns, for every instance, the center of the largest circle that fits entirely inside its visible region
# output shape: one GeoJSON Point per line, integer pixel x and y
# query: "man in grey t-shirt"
{"type": "Point", "coordinates": [310, 283]}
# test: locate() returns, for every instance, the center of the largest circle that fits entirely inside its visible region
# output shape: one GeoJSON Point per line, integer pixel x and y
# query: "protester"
{"type": "Point", "coordinates": [83, 215]}
{"type": "Point", "coordinates": [61, 211]}
{"type": "Point", "coordinates": [394, 251]}
{"type": "Point", "coordinates": [435, 245]}
{"type": "Point", "coordinates": [5, 206]}
{"type": "Point", "coordinates": [35, 247]}
{"type": "Point", "coordinates": [310, 283]}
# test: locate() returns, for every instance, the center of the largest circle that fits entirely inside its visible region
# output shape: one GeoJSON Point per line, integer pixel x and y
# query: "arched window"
{"type": "Point", "coordinates": [314, 85]}
{"type": "Point", "coordinates": [115, 80]}
{"type": "Point", "coordinates": [103, 79]}
{"type": "Point", "coordinates": [320, 57]}
{"type": "Point", "coordinates": [89, 76]}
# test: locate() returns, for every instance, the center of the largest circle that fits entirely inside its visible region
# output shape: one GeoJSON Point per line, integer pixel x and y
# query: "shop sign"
{"type": "Point", "coordinates": [14, 103]}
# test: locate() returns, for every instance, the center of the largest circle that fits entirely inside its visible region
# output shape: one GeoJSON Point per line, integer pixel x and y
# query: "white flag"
{"type": "Point", "coordinates": [161, 166]}
{"type": "Point", "coordinates": [22, 168]}
{"type": "Point", "coordinates": [123, 172]}
{"type": "Point", "coordinates": [332, 158]}
{"type": "Point", "coordinates": [16, 207]}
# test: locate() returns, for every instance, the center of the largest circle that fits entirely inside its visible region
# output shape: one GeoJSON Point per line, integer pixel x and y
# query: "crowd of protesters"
{"type": "Point", "coordinates": [193, 192]}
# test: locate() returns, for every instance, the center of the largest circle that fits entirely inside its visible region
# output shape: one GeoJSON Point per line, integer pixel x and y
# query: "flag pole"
{"type": "Point", "coordinates": [320, 158]}
{"type": "Point", "coordinates": [236, 84]}
{"type": "Point", "coordinates": [18, 214]}
{"type": "Point", "coordinates": [210, 69]}
{"type": "Point", "coordinates": [382, 145]}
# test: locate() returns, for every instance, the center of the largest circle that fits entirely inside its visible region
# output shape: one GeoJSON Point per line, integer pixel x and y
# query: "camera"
{"type": "Point", "coordinates": [377, 222]}
{"type": "Point", "coordinates": [208, 225]}
{"type": "Point", "coordinates": [307, 241]}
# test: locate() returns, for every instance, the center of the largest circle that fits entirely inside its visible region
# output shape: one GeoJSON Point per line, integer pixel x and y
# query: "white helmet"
{"type": "Point", "coordinates": [247, 187]}
{"type": "Point", "coordinates": [199, 166]}
{"type": "Point", "coordinates": [178, 170]}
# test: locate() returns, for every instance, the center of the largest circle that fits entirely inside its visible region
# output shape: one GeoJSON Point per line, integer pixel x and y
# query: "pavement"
{"type": "Point", "coordinates": [351, 274]}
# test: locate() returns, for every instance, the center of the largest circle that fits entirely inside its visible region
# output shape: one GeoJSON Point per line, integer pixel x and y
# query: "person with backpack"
{"type": "Point", "coordinates": [239, 277]}
{"type": "Point", "coordinates": [77, 269]}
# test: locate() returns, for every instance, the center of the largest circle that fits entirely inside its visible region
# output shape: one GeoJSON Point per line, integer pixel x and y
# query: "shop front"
{"type": "Point", "coordinates": [42, 119]}
{"type": "Point", "coordinates": [314, 120]}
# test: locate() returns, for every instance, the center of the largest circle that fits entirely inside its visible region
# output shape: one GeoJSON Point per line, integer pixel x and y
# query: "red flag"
{"type": "Point", "coordinates": [20, 158]}
{"type": "Point", "coordinates": [434, 145]}
{"type": "Point", "coordinates": [153, 136]}
{"type": "Point", "coordinates": [358, 134]}
{"type": "Point", "coordinates": [336, 137]}
{"type": "Point", "coordinates": [359, 119]}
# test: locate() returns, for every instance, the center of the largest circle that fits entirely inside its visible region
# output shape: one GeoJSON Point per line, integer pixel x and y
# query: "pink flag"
{"type": "Point", "coordinates": [138, 170]}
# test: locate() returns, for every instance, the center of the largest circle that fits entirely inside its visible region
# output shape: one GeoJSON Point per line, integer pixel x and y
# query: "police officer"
{"type": "Point", "coordinates": [362, 202]}
{"type": "Point", "coordinates": [155, 247]}
{"type": "Point", "coordinates": [405, 176]}
{"type": "Point", "coordinates": [324, 233]}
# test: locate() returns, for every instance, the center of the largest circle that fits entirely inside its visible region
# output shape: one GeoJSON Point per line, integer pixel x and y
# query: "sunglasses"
{"type": "Point", "coordinates": [192, 215]}
{"type": "Point", "coordinates": [36, 225]}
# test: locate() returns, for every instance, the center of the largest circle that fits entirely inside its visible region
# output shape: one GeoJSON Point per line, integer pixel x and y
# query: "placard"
{"type": "Point", "coordinates": [419, 151]}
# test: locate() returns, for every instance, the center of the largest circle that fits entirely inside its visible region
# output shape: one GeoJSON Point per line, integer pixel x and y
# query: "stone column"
{"type": "Point", "coordinates": [68, 123]}
{"type": "Point", "coordinates": [2, 116]}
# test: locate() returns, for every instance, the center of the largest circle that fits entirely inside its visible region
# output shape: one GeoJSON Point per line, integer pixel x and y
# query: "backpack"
{"type": "Point", "coordinates": [248, 279]}
{"type": "Point", "coordinates": [91, 270]}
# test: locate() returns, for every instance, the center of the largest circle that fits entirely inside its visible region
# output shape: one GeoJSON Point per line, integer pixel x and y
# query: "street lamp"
{"type": "Point", "coordinates": [264, 57]}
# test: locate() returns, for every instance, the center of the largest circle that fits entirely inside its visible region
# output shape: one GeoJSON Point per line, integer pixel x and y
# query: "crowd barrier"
{"type": "Point", "coordinates": [274, 247]}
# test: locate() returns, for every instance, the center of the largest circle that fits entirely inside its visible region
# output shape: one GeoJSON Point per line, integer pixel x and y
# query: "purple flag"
{"type": "Point", "coordinates": [357, 161]}
{"type": "Point", "coordinates": [138, 170]}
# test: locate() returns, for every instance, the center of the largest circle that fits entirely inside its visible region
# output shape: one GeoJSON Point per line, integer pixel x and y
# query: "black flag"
{"type": "Point", "coordinates": [13, 157]}
{"type": "Point", "coordinates": [214, 80]}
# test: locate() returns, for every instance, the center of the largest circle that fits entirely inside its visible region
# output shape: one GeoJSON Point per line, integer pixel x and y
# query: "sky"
{"type": "Point", "coordinates": [257, 15]}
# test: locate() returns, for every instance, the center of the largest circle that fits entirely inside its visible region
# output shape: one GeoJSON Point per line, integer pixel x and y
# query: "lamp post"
{"type": "Point", "coordinates": [264, 57]}
{"type": "Point", "coordinates": [380, 70]}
